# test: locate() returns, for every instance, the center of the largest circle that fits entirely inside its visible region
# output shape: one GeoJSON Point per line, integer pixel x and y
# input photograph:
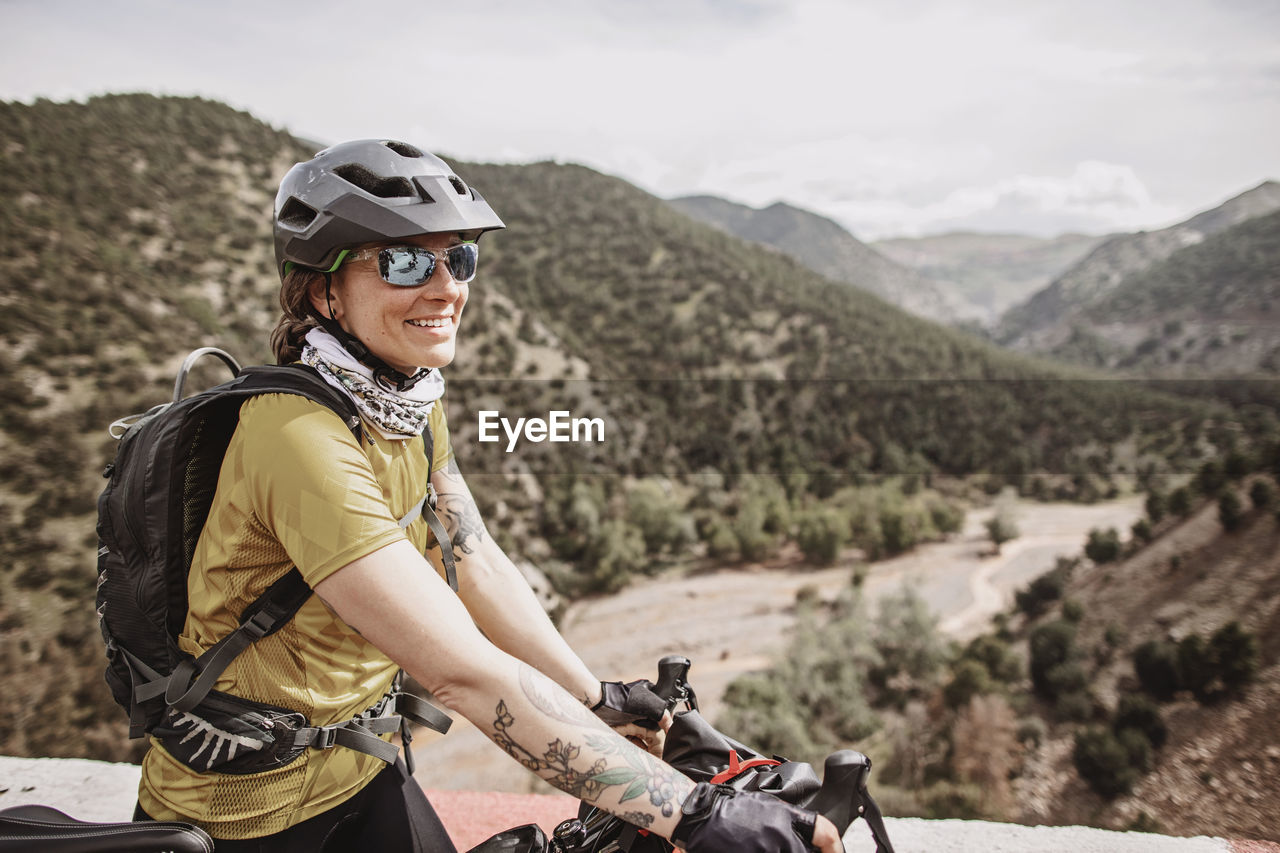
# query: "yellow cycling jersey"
{"type": "Point", "coordinates": [295, 488]}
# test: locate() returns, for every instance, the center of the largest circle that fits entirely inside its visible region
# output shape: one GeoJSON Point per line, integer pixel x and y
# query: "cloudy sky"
{"type": "Point", "coordinates": [892, 117]}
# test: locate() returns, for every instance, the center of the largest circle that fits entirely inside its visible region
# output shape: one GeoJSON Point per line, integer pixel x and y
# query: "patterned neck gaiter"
{"type": "Point", "coordinates": [396, 415]}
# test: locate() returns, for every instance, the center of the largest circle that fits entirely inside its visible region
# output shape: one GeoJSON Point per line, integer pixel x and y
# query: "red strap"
{"type": "Point", "coordinates": [737, 768]}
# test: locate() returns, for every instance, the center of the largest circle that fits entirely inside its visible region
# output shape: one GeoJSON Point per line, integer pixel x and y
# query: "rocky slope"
{"type": "Point", "coordinates": [1045, 321]}
{"type": "Point", "coordinates": [990, 273]}
{"type": "Point", "coordinates": [828, 249]}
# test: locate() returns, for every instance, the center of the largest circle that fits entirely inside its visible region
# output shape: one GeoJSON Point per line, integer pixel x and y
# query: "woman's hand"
{"type": "Point", "coordinates": [635, 712]}
{"type": "Point", "coordinates": [825, 837]}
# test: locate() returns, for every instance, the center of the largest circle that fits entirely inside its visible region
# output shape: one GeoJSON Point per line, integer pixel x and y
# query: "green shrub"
{"type": "Point", "coordinates": [996, 656]}
{"type": "Point", "coordinates": [1042, 592]}
{"type": "Point", "coordinates": [1077, 706]}
{"type": "Point", "coordinates": [722, 544]}
{"type": "Point", "coordinates": [1180, 502]}
{"type": "Point", "coordinates": [820, 532]}
{"type": "Point", "coordinates": [1230, 510]}
{"type": "Point", "coordinates": [1138, 748]}
{"type": "Point", "coordinates": [615, 555]}
{"type": "Point", "coordinates": [1103, 546]}
{"type": "Point", "coordinates": [1156, 505]}
{"type": "Point", "coordinates": [763, 708]}
{"type": "Point", "coordinates": [1237, 465]}
{"type": "Point", "coordinates": [1210, 479]}
{"type": "Point", "coordinates": [815, 698]}
{"type": "Point", "coordinates": [953, 801]}
{"type": "Point", "coordinates": [1140, 713]}
{"type": "Point", "coordinates": [1052, 647]}
{"type": "Point", "coordinates": [1197, 669]}
{"type": "Point", "coordinates": [749, 528]}
{"type": "Point", "coordinates": [912, 652]}
{"type": "Point", "coordinates": [1031, 732]}
{"type": "Point", "coordinates": [1072, 610]}
{"type": "Point", "coordinates": [661, 519]}
{"type": "Point", "coordinates": [1236, 652]}
{"type": "Point", "coordinates": [1155, 662]}
{"type": "Point", "coordinates": [969, 678]}
{"type": "Point", "coordinates": [946, 516]}
{"type": "Point", "coordinates": [1262, 494]}
{"type": "Point", "coordinates": [1142, 530]}
{"type": "Point", "coordinates": [1104, 762]}
{"type": "Point", "coordinates": [1002, 527]}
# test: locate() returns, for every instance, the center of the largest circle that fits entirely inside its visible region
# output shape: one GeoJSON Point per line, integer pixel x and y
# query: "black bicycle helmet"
{"type": "Point", "coordinates": [369, 191]}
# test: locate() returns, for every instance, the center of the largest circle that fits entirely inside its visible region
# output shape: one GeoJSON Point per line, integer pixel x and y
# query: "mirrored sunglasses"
{"type": "Point", "coordinates": [413, 266]}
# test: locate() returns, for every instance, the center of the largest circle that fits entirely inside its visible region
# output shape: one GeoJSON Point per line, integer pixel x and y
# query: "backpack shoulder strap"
{"type": "Point", "coordinates": [301, 380]}
{"type": "Point", "coordinates": [426, 507]}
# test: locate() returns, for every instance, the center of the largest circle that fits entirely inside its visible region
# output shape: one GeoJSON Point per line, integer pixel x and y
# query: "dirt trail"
{"type": "Point", "coordinates": [731, 622]}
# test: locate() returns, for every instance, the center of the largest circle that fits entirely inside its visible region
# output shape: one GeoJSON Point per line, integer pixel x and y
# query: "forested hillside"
{"type": "Point", "coordinates": [136, 228]}
{"type": "Point", "coordinates": [1210, 309]}
{"type": "Point", "coordinates": [1049, 318]}
{"type": "Point", "coordinates": [827, 248]}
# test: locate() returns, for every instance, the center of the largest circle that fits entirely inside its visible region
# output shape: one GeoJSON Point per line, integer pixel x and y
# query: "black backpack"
{"type": "Point", "coordinates": [150, 516]}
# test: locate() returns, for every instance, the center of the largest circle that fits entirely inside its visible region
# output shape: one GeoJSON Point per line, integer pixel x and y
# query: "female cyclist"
{"type": "Point", "coordinates": [376, 245]}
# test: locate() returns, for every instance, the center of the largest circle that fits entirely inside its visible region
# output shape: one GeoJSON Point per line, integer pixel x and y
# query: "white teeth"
{"type": "Point", "coordinates": [437, 323]}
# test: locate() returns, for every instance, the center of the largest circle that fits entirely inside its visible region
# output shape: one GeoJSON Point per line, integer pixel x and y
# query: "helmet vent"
{"type": "Point", "coordinates": [404, 149]}
{"type": "Point", "coordinates": [458, 184]}
{"type": "Point", "coordinates": [296, 215]}
{"type": "Point", "coordinates": [373, 184]}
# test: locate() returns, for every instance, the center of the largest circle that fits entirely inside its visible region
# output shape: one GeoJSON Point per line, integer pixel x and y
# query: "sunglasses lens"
{"type": "Point", "coordinates": [462, 261]}
{"type": "Point", "coordinates": [409, 266]}
{"type": "Point", "coordinates": [406, 267]}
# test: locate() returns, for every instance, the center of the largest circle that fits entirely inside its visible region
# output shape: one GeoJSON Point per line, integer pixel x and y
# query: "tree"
{"type": "Point", "coordinates": [820, 532]}
{"type": "Point", "coordinates": [1262, 494]}
{"type": "Point", "coordinates": [1180, 501]}
{"type": "Point", "coordinates": [1104, 762]}
{"type": "Point", "coordinates": [1103, 546]}
{"type": "Point", "coordinates": [1052, 649]}
{"type": "Point", "coordinates": [1230, 510]}
{"type": "Point", "coordinates": [1140, 713]}
{"type": "Point", "coordinates": [1197, 668]}
{"type": "Point", "coordinates": [1236, 651]}
{"type": "Point", "coordinates": [1002, 526]}
{"type": "Point", "coordinates": [1156, 665]}
{"type": "Point", "coordinates": [1156, 505]}
{"type": "Point", "coordinates": [911, 650]}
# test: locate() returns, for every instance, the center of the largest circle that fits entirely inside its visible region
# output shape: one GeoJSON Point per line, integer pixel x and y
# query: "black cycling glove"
{"type": "Point", "coordinates": [623, 704]}
{"type": "Point", "coordinates": [718, 818]}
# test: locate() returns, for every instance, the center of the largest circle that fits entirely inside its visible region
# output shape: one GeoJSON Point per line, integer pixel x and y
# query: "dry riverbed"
{"type": "Point", "coordinates": [734, 621]}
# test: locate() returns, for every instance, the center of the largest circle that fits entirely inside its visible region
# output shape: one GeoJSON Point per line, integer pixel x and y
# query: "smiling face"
{"type": "Point", "coordinates": [407, 327]}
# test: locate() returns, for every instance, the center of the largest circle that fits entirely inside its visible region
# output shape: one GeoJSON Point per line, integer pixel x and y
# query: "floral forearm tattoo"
{"type": "Point", "coordinates": [563, 764]}
{"type": "Point", "coordinates": [459, 513]}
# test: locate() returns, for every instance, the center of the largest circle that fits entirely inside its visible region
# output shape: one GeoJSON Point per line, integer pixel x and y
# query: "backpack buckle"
{"type": "Point", "coordinates": [326, 737]}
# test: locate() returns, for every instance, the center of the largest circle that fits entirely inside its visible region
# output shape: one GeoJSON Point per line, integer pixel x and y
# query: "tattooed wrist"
{"type": "Point", "coordinates": [609, 763]}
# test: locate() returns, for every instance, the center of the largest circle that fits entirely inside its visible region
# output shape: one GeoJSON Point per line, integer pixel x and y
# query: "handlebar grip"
{"type": "Point", "coordinates": [844, 780]}
{"type": "Point", "coordinates": [672, 671]}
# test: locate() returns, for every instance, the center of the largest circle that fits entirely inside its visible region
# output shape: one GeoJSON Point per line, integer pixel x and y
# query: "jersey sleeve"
{"type": "Point", "coordinates": [442, 449]}
{"type": "Point", "coordinates": [312, 486]}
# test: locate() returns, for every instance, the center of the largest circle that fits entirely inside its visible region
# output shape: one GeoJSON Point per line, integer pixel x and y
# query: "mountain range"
{"type": "Point", "coordinates": [136, 228]}
{"type": "Point", "coordinates": [1077, 298]}
{"type": "Point", "coordinates": [1191, 300]}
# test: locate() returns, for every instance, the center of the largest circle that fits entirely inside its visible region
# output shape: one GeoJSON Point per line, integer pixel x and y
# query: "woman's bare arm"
{"type": "Point", "coordinates": [397, 602]}
{"type": "Point", "coordinates": [498, 597]}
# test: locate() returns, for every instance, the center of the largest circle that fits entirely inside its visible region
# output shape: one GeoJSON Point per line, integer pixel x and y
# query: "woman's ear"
{"type": "Point", "coordinates": [324, 298]}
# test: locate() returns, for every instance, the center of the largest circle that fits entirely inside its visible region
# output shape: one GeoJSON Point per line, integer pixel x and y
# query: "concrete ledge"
{"type": "Point", "coordinates": [99, 791]}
